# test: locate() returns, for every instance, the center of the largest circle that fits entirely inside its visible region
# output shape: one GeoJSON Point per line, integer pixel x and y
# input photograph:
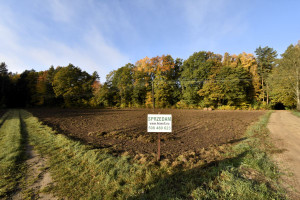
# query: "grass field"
{"type": "Point", "coordinates": [241, 170]}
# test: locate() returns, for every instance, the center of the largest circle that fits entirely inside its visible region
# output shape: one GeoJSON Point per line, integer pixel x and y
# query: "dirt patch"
{"type": "Point", "coordinates": [125, 130]}
{"type": "Point", "coordinates": [285, 134]}
{"type": "Point", "coordinates": [37, 178]}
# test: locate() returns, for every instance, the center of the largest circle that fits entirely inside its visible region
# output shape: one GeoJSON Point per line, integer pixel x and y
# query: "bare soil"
{"type": "Point", "coordinates": [37, 178]}
{"type": "Point", "coordinates": [125, 130]}
{"type": "Point", "coordinates": [285, 134]}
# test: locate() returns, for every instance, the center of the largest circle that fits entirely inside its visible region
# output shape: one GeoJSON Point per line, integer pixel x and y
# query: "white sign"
{"type": "Point", "coordinates": [159, 123]}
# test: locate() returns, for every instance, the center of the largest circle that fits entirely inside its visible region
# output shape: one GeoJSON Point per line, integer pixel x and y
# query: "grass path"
{"type": "Point", "coordinates": [36, 178]}
{"type": "Point", "coordinates": [11, 167]}
{"type": "Point", "coordinates": [22, 171]}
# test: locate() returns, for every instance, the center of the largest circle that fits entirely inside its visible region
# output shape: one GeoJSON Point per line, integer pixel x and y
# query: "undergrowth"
{"type": "Point", "coordinates": [81, 172]}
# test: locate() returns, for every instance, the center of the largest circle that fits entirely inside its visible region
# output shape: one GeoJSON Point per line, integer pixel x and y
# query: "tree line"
{"type": "Point", "coordinates": [205, 79]}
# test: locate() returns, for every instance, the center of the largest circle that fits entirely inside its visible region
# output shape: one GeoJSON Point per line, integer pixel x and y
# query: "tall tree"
{"type": "Point", "coordinates": [139, 88]}
{"type": "Point", "coordinates": [195, 70]}
{"type": "Point", "coordinates": [41, 88]}
{"type": "Point", "coordinates": [265, 59]}
{"type": "Point", "coordinates": [229, 86]}
{"type": "Point", "coordinates": [73, 84]}
{"type": "Point", "coordinates": [157, 75]}
{"type": "Point", "coordinates": [285, 80]}
{"type": "Point", "coordinates": [122, 80]}
{"type": "Point", "coordinates": [26, 88]}
{"type": "Point", "coordinates": [164, 81]}
{"type": "Point", "coordinates": [248, 62]}
{"type": "Point", "coordinates": [4, 83]}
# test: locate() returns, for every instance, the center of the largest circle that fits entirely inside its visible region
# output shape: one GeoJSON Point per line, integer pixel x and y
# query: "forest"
{"type": "Point", "coordinates": [205, 79]}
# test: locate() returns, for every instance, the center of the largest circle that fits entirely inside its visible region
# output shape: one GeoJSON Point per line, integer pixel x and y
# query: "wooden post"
{"type": "Point", "coordinates": [153, 96]}
{"type": "Point", "coordinates": [158, 147]}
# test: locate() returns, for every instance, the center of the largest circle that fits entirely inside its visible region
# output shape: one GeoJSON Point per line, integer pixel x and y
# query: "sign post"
{"type": "Point", "coordinates": [159, 123]}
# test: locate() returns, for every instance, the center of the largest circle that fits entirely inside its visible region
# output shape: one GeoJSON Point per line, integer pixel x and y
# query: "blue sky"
{"type": "Point", "coordinates": [103, 35]}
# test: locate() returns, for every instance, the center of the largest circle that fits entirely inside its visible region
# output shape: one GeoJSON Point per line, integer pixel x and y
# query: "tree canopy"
{"type": "Point", "coordinates": [205, 79]}
{"type": "Point", "coordinates": [285, 78]}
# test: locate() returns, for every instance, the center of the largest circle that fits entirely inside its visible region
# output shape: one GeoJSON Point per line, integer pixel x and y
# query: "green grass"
{"type": "Point", "coordinates": [10, 152]}
{"type": "Point", "coordinates": [3, 118]}
{"type": "Point", "coordinates": [244, 173]}
{"type": "Point", "coordinates": [297, 113]}
{"type": "Point", "coordinates": [80, 172]}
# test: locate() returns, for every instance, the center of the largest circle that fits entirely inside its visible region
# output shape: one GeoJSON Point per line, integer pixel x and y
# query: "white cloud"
{"type": "Point", "coordinates": [60, 10]}
{"type": "Point", "coordinates": [92, 52]}
{"type": "Point", "coordinates": [209, 22]}
{"type": "Point", "coordinates": [103, 50]}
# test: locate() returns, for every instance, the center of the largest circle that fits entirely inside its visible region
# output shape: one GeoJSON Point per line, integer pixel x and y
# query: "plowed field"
{"type": "Point", "coordinates": [126, 129]}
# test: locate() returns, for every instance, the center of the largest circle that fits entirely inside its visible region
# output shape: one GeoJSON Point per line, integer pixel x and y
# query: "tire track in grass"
{"type": "Point", "coordinates": [3, 118]}
{"type": "Point", "coordinates": [37, 177]}
{"type": "Point", "coordinates": [11, 166]}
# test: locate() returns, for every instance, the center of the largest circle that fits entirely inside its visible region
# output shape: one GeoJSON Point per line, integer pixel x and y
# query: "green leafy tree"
{"type": "Point", "coordinates": [73, 84]}
{"type": "Point", "coordinates": [50, 97]}
{"type": "Point", "coordinates": [102, 96]}
{"type": "Point", "coordinates": [248, 62]}
{"type": "Point", "coordinates": [175, 77]}
{"type": "Point", "coordinates": [123, 82]}
{"type": "Point", "coordinates": [159, 74]}
{"type": "Point", "coordinates": [139, 88]}
{"type": "Point", "coordinates": [229, 86]}
{"type": "Point", "coordinates": [195, 70]}
{"type": "Point", "coordinates": [265, 59]}
{"type": "Point", "coordinates": [165, 82]}
{"type": "Point", "coordinates": [285, 79]}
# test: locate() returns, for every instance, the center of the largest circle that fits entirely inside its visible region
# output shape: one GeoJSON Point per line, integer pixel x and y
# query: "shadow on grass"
{"type": "Point", "coordinates": [236, 140]}
{"type": "Point", "coordinates": [21, 159]}
{"type": "Point", "coordinates": [3, 120]}
{"type": "Point", "coordinates": [15, 173]}
{"type": "Point", "coordinates": [181, 184]}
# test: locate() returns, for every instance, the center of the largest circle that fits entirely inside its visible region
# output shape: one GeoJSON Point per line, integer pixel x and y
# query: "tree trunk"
{"type": "Point", "coordinates": [297, 90]}
{"type": "Point", "coordinates": [267, 94]}
{"type": "Point", "coordinates": [263, 91]}
{"type": "Point", "coordinates": [153, 102]}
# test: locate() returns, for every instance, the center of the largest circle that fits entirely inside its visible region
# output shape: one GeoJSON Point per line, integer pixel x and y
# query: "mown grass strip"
{"type": "Point", "coordinates": [80, 172]}
{"type": "Point", "coordinates": [10, 153]}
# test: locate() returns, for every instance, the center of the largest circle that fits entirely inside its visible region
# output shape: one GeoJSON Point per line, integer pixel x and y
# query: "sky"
{"type": "Point", "coordinates": [103, 35]}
